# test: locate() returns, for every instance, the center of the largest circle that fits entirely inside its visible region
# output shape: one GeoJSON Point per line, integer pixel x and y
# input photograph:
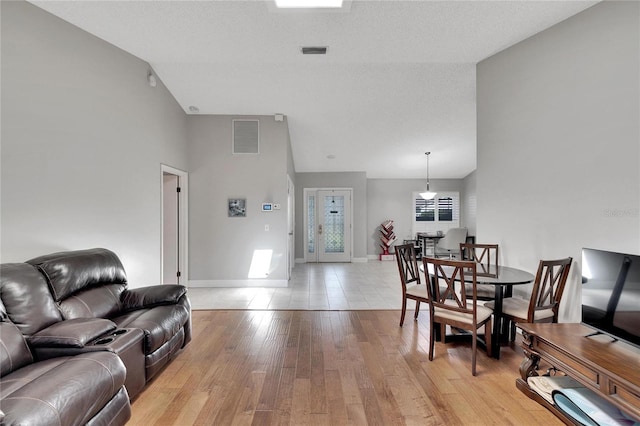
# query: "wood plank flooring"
{"type": "Point", "coordinates": [331, 368]}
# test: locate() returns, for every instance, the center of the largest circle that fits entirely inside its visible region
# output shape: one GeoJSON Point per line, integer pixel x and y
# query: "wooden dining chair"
{"type": "Point", "coordinates": [410, 278]}
{"type": "Point", "coordinates": [486, 257]}
{"type": "Point", "coordinates": [546, 295]}
{"type": "Point", "coordinates": [451, 304]}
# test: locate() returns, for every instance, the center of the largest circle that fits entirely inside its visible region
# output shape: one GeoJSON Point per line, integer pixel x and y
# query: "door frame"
{"type": "Point", "coordinates": [183, 221]}
{"type": "Point", "coordinates": [291, 226]}
{"type": "Point", "coordinates": [308, 258]}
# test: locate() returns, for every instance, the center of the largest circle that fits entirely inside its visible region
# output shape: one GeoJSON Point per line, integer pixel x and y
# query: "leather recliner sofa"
{"type": "Point", "coordinates": [69, 390]}
{"type": "Point", "coordinates": [78, 302]}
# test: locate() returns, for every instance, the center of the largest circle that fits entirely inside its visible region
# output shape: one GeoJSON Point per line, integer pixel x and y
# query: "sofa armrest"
{"type": "Point", "coordinates": [73, 333]}
{"type": "Point", "coordinates": [148, 297]}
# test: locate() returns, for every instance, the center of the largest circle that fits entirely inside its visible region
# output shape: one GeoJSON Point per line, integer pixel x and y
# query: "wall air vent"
{"type": "Point", "coordinates": [314, 50]}
{"type": "Point", "coordinates": [246, 137]}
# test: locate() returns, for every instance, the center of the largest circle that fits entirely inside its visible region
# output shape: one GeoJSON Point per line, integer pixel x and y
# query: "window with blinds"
{"type": "Point", "coordinates": [425, 210]}
{"type": "Point", "coordinates": [444, 208]}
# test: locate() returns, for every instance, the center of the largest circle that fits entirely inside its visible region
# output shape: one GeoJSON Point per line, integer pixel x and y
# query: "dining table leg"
{"type": "Point", "coordinates": [497, 320]}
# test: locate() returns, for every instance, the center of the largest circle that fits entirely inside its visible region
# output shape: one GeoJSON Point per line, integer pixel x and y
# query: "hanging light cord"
{"type": "Point", "coordinates": [428, 195]}
{"type": "Point", "coordinates": [427, 154]}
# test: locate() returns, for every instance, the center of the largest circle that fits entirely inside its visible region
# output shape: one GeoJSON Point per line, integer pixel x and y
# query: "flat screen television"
{"type": "Point", "coordinates": [611, 293]}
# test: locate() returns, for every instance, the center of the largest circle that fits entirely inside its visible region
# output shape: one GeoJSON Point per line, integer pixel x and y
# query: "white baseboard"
{"type": "Point", "coordinates": [377, 257]}
{"type": "Point", "coordinates": [238, 283]}
{"type": "Point", "coordinates": [372, 257]}
{"type": "Point", "coordinates": [353, 260]}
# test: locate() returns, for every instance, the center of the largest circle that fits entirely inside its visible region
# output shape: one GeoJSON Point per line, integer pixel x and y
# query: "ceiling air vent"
{"type": "Point", "coordinates": [246, 137]}
{"type": "Point", "coordinates": [317, 50]}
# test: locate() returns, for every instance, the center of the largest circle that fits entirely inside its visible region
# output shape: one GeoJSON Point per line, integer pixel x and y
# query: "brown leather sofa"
{"type": "Point", "coordinates": [70, 390]}
{"type": "Point", "coordinates": [77, 303]}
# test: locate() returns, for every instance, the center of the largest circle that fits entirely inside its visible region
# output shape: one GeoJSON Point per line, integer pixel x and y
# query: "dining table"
{"type": "Point", "coordinates": [503, 279]}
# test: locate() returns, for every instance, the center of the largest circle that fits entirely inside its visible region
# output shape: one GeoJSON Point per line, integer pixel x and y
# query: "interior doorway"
{"type": "Point", "coordinates": [328, 219]}
{"type": "Point", "coordinates": [174, 225]}
{"type": "Point", "coordinates": [291, 225]}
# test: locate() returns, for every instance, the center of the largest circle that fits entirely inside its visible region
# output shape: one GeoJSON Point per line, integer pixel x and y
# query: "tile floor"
{"type": "Point", "coordinates": [315, 286]}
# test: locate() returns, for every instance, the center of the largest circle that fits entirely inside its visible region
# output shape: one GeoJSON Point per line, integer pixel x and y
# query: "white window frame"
{"type": "Point", "coordinates": [437, 225]}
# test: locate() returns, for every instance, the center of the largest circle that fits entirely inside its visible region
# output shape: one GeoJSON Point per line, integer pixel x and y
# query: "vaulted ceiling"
{"type": "Point", "coordinates": [398, 78]}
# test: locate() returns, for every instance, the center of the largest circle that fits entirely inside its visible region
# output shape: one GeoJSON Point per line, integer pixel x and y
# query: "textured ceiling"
{"type": "Point", "coordinates": [398, 78]}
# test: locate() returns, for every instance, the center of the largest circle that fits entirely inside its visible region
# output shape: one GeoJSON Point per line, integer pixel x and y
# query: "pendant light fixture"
{"type": "Point", "coordinates": [428, 195]}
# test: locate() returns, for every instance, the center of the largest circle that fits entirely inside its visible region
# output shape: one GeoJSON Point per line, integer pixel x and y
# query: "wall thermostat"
{"type": "Point", "coordinates": [267, 207]}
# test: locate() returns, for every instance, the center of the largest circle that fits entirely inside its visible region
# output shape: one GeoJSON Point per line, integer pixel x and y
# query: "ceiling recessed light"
{"type": "Point", "coordinates": [194, 109]}
{"type": "Point", "coordinates": [309, 4]}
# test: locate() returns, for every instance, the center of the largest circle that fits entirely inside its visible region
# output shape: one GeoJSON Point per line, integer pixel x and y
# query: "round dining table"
{"type": "Point", "coordinates": [503, 278]}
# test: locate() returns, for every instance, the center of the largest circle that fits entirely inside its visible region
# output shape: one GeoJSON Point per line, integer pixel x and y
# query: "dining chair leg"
{"type": "Point", "coordinates": [512, 331]}
{"type": "Point", "coordinates": [488, 338]}
{"type": "Point", "coordinates": [404, 310]}
{"type": "Point", "coordinates": [432, 340]}
{"type": "Point", "coordinates": [474, 345]}
{"type": "Point", "coordinates": [415, 316]}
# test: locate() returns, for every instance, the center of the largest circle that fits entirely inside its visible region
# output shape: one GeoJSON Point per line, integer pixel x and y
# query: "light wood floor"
{"type": "Point", "coordinates": [331, 368]}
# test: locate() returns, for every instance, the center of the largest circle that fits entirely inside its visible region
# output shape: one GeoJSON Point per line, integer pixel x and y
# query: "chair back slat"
{"type": "Point", "coordinates": [485, 255]}
{"type": "Point", "coordinates": [407, 264]}
{"type": "Point", "coordinates": [548, 286]}
{"type": "Point", "coordinates": [447, 288]}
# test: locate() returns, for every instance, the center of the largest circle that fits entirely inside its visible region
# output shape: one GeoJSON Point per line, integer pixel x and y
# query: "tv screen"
{"type": "Point", "coordinates": [611, 293]}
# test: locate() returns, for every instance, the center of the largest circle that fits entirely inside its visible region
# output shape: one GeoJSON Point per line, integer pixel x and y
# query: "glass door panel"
{"type": "Point", "coordinates": [333, 217]}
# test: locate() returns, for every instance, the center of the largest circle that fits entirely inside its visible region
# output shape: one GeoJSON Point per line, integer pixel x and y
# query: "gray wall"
{"type": "Point", "coordinates": [393, 199]}
{"type": "Point", "coordinates": [221, 248]}
{"type": "Point", "coordinates": [355, 180]}
{"type": "Point", "coordinates": [469, 203]}
{"type": "Point", "coordinates": [558, 142]}
{"type": "Point", "coordinates": [83, 138]}
{"type": "Point", "coordinates": [291, 168]}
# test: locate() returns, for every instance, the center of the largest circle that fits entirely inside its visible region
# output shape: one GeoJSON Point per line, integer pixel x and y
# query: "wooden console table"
{"type": "Point", "coordinates": [609, 368]}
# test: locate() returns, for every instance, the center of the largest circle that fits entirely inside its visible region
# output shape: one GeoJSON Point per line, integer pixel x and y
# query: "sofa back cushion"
{"type": "Point", "coordinates": [26, 298]}
{"type": "Point", "coordinates": [14, 352]}
{"type": "Point", "coordinates": [71, 272]}
{"type": "Point", "coordinates": [96, 302]}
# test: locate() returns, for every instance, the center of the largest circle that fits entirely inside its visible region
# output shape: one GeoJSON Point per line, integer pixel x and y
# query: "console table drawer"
{"type": "Point", "coordinates": [565, 361]}
{"type": "Point", "coordinates": [625, 396]}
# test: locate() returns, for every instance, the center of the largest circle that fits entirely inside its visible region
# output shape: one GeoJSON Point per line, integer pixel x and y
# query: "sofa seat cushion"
{"type": "Point", "coordinates": [62, 391]}
{"type": "Point", "coordinates": [31, 372]}
{"type": "Point", "coordinates": [159, 324]}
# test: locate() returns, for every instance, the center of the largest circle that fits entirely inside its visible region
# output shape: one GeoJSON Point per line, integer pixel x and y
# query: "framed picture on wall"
{"type": "Point", "coordinates": [237, 207]}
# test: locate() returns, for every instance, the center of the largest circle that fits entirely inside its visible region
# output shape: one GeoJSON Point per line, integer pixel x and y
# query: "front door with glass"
{"type": "Point", "coordinates": [328, 225]}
